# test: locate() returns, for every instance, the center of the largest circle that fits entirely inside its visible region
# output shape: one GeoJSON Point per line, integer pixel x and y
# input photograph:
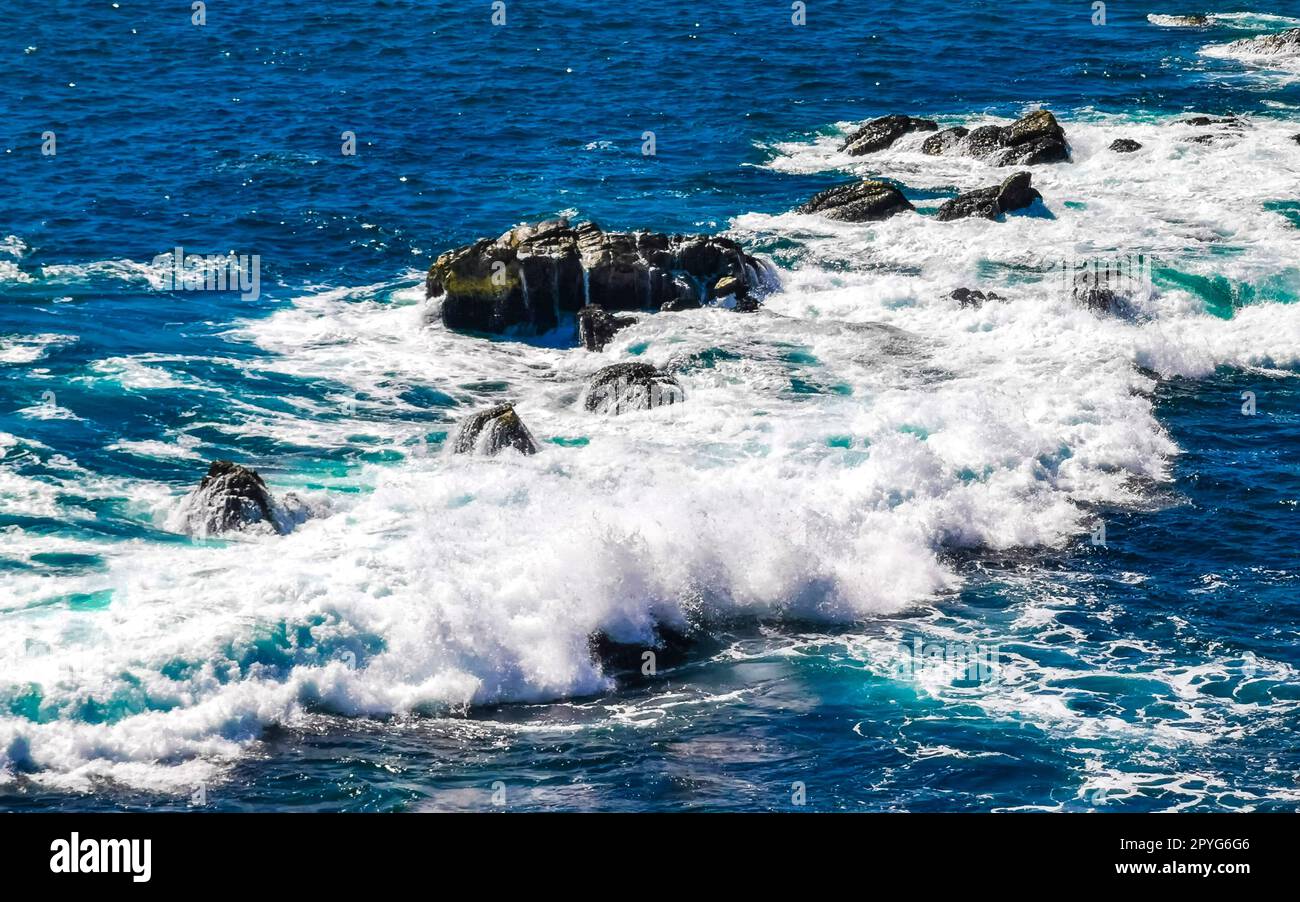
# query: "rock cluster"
{"type": "Point", "coordinates": [1033, 139]}
{"type": "Point", "coordinates": [531, 277]}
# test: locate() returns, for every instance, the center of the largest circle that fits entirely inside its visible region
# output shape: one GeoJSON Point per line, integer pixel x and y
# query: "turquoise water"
{"type": "Point", "coordinates": [867, 479]}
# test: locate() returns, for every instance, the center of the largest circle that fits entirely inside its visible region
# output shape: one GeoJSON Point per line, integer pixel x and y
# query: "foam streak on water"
{"type": "Point", "coordinates": [862, 464]}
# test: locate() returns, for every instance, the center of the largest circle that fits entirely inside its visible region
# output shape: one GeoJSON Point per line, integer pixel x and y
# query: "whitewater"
{"type": "Point", "coordinates": [835, 451]}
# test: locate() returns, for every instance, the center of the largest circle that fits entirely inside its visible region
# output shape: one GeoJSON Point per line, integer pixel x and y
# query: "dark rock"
{"type": "Point", "coordinates": [233, 498]}
{"type": "Point", "coordinates": [944, 141]}
{"type": "Point", "coordinates": [532, 276]}
{"type": "Point", "coordinates": [672, 647]}
{"type": "Point", "coordinates": [1030, 140]}
{"type": "Point", "coordinates": [865, 201]}
{"type": "Point", "coordinates": [1228, 128]}
{"type": "Point", "coordinates": [1102, 290]}
{"type": "Point", "coordinates": [596, 328]}
{"type": "Point", "coordinates": [1101, 300]}
{"type": "Point", "coordinates": [1037, 138]}
{"type": "Point", "coordinates": [985, 141]}
{"type": "Point", "coordinates": [965, 297]}
{"type": "Point", "coordinates": [488, 432]}
{"type": "Point", "coordinates": [883, 132]}
{"type": "Point", "coordinates": [624, 387]}
{"type": "Point", "coordinates": [1296, 138]}
{"type": "Point", "coordinates": [1206, 121]}
{"type": "Point", "coordinates": [1124, 145]}
{"type": "Point", "coordinates": [1015, 193]}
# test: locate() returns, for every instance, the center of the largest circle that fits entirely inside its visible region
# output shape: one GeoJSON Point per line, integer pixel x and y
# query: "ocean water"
{"type": "Point", "coordinates": [868, 488]}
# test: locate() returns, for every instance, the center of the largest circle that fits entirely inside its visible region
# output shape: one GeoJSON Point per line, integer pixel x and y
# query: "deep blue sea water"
{"type": "Point", "coordinates": [834, 498]}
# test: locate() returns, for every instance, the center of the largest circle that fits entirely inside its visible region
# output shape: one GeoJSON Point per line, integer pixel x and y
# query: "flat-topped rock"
{"type": "Point", "coordinates": [531, 277]}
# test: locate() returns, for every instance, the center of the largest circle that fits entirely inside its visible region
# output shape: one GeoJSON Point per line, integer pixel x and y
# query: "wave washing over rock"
{"type": "Point", "coordinates": [827, 416]}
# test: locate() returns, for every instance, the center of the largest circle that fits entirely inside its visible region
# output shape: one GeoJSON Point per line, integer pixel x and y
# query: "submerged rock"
{"type": "Point", "coordinates": [624, 387]}
{"type": "Point", "coordinates": [1030, 140]}
{"type": "Point", "coordinates": [1192, 21]}
{"type": "Point", "coordinates": [881, 133]}
{"type": "Point", "coordinates": [533, 275]}
{"type": "Point", "coordinates": [491, 431]}
{"type": "Point", "coordinates": [965, 297]}
{"type": "Point", "coordinates": [1206, 121]}
{"type": "Point", "coordinates": [1225, 128]}
{"type": "Point", "coordinates": [1102, 291]}
{"type": "Point", "coordinates": [1124, 145]}
{"type": "Point", "coordinates": [596, 328]}
{"type": "Point", "coordinates": [1014, 193]}
{"type": "Point", "coordinates": [1101, 300]}
{"type": "Point", "coordinates": [865, 201]}
{"type": "Point", "coordinates": [234, 498]}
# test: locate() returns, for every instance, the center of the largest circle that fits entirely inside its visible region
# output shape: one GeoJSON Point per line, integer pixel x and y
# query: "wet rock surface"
{"type": "Point", "coordinates": [626, 387]}
{"type": "Point", "coordinates": [878, 134]}
{"type": "Point", "coordinates": [1015, 193]}
{"type": "Point", "coordinates": [491, 431]}
{"type": "Point", "coordinates": [865, 201]}
{"type": "Point", "coordinates": [235, 498]}
{"type": "Point", "coordinates": [532, 277]}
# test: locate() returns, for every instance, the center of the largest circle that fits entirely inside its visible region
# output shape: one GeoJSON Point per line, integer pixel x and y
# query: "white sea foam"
{"type": "Point", "coordinates": [830, 453]}
{"type": "Point", "coordinates": [19, 350]}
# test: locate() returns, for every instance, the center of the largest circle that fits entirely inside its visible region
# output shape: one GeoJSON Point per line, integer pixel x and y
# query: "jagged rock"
{"type": "Point", "coordinates": [1124, 145]}
{"type": "Point", "coordinates": [624, 387]}
{"type": "Point", "coordinates": [1014, 193]}
{"type": "Point", "coordinates": [532, 276]}
{"type": "Point", "coordinates": [1283, 43]}
{"type": "Point", "coordinates": [1296, 138]}
{"type": "Point", "coordinates": [489, 432]}
{"type": "Point", "coordinates": [865, 201]}
{"type": "Point", "coordinates": [1030, 140]}
{"type": "Point", "coordinates": [944, 141]}
{"type": "Point", "coordinates": [596, 328]}
{"type": "Point", "coordinates": [879, 134]}
{"type": "Point", "coordinates": [965, 297]}
{"type": "Point", "coordinates": [233, 498]}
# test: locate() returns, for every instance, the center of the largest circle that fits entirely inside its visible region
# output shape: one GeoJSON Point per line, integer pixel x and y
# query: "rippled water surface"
{"type": "Point", "coordinates": [863, 475]}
